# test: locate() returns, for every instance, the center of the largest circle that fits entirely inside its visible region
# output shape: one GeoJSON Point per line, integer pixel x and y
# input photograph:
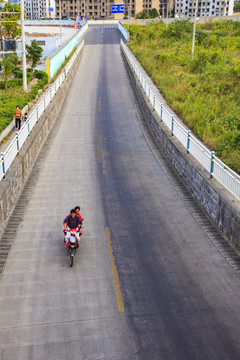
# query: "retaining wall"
{"type": "Point", "coordinates": [19, 171]}
{"type": "Point", "coordinates": [218, 204]}
{"type": "Point", "coordinates": [201, 20]}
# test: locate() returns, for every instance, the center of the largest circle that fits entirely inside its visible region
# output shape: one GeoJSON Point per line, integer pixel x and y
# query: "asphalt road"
{"type": "Point", "coordinates": [147, 282]}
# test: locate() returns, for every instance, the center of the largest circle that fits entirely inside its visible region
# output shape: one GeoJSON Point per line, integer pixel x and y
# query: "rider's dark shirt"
{"type": "Point", "coordinates": [72, 222]}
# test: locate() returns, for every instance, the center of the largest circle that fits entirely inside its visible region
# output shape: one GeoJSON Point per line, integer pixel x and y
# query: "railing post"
{"type": "Point", "coordinates": [154, 101]}
{"type": "Point", "coordinates": [161, 111]}
{"type": "Point", "coordinates": [212, 164]}
{"type": "Point", "coordinates": [44, 102]}
{"type": "Point", "coordinates": [3, 166]}
{"type": "Point", "coordinates": [149, 92]}
{"type": "Point", "coordinates": [172, 125]}
{"type": "Point", "coordinates": [28, 125]}
{"type": "Point", "coordinates": [188, 140]}
{"type": "Point", "coordinates": [145, 85]}
{"type": "Point", "coordinates": [50, 94]}
{"type": "Point", "coordinates": [55, 87]}
{"type": "Point", "coordinates": [17, 141]}
{"type": "Point", "coordinates": [37, 112]}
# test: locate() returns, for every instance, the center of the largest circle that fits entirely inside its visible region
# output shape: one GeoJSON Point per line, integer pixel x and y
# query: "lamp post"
{"type": "Point", "coordinates": [128, 15]}
{"type": "Point", "coordinates": [60, 19]}
{"type": "Point", "coordinates": [194, 27]}
{"type": "Point", "coordinates": [24, 67]}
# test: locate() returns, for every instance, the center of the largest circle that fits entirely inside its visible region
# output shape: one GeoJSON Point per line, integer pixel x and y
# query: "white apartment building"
{"type": "Point", "coordinates": [186, 8]}
{"type": "Point", "coordinates": [38, 9]}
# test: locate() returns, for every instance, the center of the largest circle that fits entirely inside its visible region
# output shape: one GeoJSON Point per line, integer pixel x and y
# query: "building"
{"type": "Point", "coordinates": [38, 9]}
{"type": "Point", "coordinates": [102, 9]}
{"type": "Point", "coordinates": [166, 8]}
{"type": "Point", "coordinates": [186, 8]}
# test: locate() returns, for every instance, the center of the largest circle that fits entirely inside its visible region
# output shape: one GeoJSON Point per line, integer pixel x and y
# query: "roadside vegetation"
{"type": "Point", "coordinates": [11, 82]}
{"type": "Point", "coordinates": [14, 95]}
{"type": "Point", "coordinates": [236, 8]}
{"type": "Point", "coordinates": [203, 90]}
{"type": "Point", "coordinates": [148, 14]}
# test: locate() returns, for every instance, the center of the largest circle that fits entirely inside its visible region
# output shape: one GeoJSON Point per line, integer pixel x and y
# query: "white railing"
{"type": "Point", "coordinates": [124, 31]}
{"type": "Point", "coordinates": [215, 167]}
{"type": "Point", "coordinates": [8, 156]}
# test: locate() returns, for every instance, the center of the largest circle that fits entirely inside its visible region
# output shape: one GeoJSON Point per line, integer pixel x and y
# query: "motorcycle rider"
{"type": "Point", "coordinates": [77, 209]}
{"type": "Point", "coordinates": [72, 221]}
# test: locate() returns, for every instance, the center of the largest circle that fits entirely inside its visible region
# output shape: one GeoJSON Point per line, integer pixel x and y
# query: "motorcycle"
{"type": "Point", "coordinates": [72, 243]}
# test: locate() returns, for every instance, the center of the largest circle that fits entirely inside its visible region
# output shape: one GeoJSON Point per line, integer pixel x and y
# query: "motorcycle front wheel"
{"type": "Point", "coordinates": [71, 260]}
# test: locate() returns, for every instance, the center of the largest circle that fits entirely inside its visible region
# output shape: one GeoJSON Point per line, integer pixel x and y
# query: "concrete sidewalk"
{"type": "Point", "coordinates": [9, 133]}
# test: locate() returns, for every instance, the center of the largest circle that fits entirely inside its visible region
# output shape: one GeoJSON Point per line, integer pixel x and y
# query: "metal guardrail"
{"type": "Point", "coordinates": [8, 156]}
{"type": "Point", "coordinates": [215, 167]}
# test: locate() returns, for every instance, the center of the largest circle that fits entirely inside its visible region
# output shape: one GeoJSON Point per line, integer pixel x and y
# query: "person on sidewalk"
{"type": "Point", "coordinates": [25, 117]}
{"type": "Point", "coordinates": [18, 117]}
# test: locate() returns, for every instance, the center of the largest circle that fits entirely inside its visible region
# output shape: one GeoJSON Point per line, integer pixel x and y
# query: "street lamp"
{"type": "Point", "coordinates": [23, 48]}
{"type": "Point", "coordinates": [60, 19]}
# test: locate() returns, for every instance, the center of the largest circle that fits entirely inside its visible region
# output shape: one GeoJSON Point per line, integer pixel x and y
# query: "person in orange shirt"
{"type": "Point", "coordinates": [18, 117]}
{"type": "Point", "coordinates": [77, 209]}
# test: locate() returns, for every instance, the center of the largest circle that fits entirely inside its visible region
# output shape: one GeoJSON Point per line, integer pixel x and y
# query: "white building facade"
{"type": "Point", "coordinates": [38, 9]}
{"type": "Point", "coordinates": [186, 8]}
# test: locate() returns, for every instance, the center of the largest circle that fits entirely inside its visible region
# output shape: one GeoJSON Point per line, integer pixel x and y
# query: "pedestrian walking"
{"type": "Point", "coordinates": [18, 117]}
{"type": "Point", "coordinates": [25, 116]}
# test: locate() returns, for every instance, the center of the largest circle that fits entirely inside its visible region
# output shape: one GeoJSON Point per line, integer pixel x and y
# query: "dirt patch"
{"type": "Point", "coordinates": [31, 84]}
{"type": "Point", "coordinates": [35, 34]}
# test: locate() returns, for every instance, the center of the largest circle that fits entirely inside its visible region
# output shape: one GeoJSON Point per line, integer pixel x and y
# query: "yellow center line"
{"type": "Point", "coordinates": [115, 273]}
{"type": "Point", "coordinates": [99, 149]}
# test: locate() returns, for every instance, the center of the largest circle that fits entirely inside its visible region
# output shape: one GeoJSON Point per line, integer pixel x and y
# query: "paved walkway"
{"type": "Point", "coordinates": [67, 33]}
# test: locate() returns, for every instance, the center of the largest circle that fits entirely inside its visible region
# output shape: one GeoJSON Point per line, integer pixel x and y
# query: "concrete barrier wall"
{"type": "Point", "coordinates": [19, 171]}
{"type": "Point", "coordinates": [56, 60]}
{"type": "Point", "coordinates": [218, 204]}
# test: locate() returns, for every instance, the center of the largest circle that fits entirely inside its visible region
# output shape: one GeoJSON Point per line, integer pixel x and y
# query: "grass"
{"type": "Point", "coordinates": [205, 90]}
{"type": "Point", "coordinates": [14, 95]}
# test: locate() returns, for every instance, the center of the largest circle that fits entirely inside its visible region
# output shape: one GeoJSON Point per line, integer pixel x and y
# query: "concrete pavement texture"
{"type": "Point", "coordinates": [147, 283]}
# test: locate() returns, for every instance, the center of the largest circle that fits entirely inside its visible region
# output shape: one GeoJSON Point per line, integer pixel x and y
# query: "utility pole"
{"type": "Point", "coordinates": [1, 45]}
{"type": "Point", "coordinates": [24, 67]}
{"type": "Point", "coordinates": [194, 27]}
{"type": "Point", "coordinates": [60, 19]}
{"type": "Point", "coordinates": [128, 15]}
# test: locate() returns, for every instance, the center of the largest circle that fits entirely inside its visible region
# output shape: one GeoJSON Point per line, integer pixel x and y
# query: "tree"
{"type": "Point", "coordinates": [236, 6]}
{"type": "Point", "coordinates": [154, 13]}
{"type": "Point", "coordinates": [8, 65]}
{"type": "Point", "coordinates": [143, 15]}
{"type": "Point", "coordinates": [34, 53]}
{"type": "Point", "coordinates": [10, 26]}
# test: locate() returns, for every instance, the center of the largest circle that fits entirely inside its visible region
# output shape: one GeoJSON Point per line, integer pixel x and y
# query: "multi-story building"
{"type": "Point", "coordinates": [38, 9]}
{"type": "Point", "coordinates": [186, 8]}
{"type": "Point", "coordinates": [102, 9]}
{"type": "Point", "coordinates": [92, 9]}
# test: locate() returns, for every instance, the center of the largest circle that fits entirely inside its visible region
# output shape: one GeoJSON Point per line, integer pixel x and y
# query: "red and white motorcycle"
{"type": "Point", "coordinates": [72, 242]}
